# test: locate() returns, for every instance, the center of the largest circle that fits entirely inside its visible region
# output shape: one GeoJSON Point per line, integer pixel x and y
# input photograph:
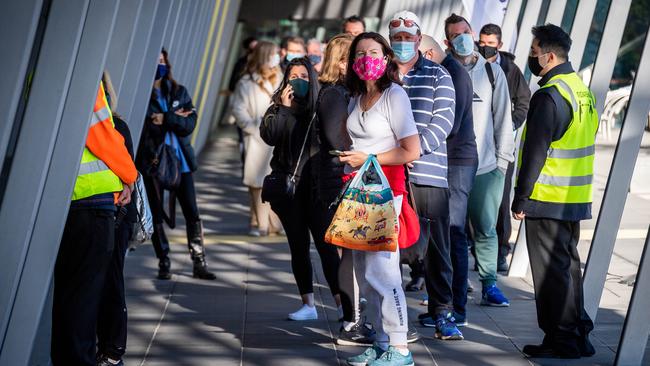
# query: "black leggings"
{"type": "Point", "coordinates": [299, 217]}
{"type": "Point", "coordinates": [185, 195]}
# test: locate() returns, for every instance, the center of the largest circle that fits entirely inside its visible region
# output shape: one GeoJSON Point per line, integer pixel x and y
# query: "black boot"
{"type": "Point", "coordinates": [195, 244]}
{"type": "Point", "coordinates": [161, 246]}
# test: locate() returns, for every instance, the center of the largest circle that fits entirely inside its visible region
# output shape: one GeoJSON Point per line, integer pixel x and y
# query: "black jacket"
{"type": "Point", "coordinates": [285, 130]}
{"type": "Point", "coordinates": [330, 133]}
{"type": "Point", "coordinates": [548, 119]}
{"type": "Point", "coordinates": [518, 88]}
{"type": "Point", "coordinates": [153, 135]}
{"type": "Point", "coordinates": [123, 129]}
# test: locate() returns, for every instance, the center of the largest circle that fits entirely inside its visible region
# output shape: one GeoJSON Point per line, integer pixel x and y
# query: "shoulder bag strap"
{"type": "Point", "coordinates": [302, 149]}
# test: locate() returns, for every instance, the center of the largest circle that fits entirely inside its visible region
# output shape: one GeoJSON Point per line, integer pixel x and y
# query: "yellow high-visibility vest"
{"type": "Point", "coordinates": [94, 176]}
{"type": "Point", "coordinates": [568, 172]}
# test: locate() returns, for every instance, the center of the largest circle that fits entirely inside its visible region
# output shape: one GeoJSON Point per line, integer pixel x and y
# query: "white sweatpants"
{"type": "Point", "coordinates": [380, 282]}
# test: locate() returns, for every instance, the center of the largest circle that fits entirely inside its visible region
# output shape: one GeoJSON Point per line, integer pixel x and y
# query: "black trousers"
{"type": "Point", "coordinates": [555, 266]}
{"type": "Point", "coordinates": [111, 323]}
{"type": "Point", "coordinates": [84, 255]}
{"type": "Point", "coordinates": [433, 210]}
{"type": "Point", "coordinates": [504, 225]}
{"type": "Point", "coordinates": [299, 217]}
{"type": "Point", "coordinates": [186, 196]}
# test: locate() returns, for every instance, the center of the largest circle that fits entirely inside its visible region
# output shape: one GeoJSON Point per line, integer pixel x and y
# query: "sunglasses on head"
{"type": "Point", "coordinates": [408, 23]}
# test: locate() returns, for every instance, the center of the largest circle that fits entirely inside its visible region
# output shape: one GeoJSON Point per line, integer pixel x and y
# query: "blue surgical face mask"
{"type": "Point", "coordinates": [300, 87]}
{"type": "Point", "coordinates": [404, 51]}
{"type": "Point", "coordinates": [161, 72]}
{"type": "Point", "coordinates": [315, 59]}
{"type": "Point", "coordinates": [274, 60]}
{"type": "Point", "coordinates": [291, 56]}
{"type": "Point", "coordinates": [463, 44]}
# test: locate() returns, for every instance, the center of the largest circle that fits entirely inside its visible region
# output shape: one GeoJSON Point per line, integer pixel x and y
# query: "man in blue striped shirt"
{"type": "Point", "coordinates": [433, 101]}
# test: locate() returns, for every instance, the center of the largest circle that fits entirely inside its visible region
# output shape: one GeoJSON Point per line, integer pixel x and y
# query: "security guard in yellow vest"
{"type": "Point", "coordinates": [553, 193]}
{"type": "Point", "coordinates": [104, 181]}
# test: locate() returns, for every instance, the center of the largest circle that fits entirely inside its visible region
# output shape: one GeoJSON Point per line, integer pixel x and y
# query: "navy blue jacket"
{"type": "Point", "coordinates": [461, 142]}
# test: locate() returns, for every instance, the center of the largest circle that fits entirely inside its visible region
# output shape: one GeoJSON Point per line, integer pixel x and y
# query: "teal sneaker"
{"type": "Point", "coordinates": [370, 354]}
{"type": "Point", "coordinates": [392, 357]}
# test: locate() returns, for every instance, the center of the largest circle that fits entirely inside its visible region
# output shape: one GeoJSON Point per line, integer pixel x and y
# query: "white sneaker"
{"type": "Point", "coordinates": [255, 232]}
{"type": "Point", "coordinates": [306, 312]}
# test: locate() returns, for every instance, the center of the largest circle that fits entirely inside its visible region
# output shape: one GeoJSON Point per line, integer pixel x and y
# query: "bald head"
{"type": "Point", "coordinates": [431, 49]}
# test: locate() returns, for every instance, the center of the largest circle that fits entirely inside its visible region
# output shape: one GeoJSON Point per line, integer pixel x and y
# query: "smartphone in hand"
{"type": "Point", "coordinates": [336, 152]}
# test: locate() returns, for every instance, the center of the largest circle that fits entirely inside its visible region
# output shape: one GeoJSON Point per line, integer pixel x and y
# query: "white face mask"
{"type": "Point", "coordinates": [274, 61]}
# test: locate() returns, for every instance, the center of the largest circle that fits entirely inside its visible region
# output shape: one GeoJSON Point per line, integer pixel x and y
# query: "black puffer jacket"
{"type": "Point", "coordinates": [330, 133]}
{"type": "Point", "coordinates": [153, 135]}
{"type": "Point", "coordinates": [285, 129]}
{"type": "Point", "coordinates": [518, 88]}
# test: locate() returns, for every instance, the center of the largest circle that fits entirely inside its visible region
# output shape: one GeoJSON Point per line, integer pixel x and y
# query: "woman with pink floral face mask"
{"type": "Point", "coordinates": [380, 122]}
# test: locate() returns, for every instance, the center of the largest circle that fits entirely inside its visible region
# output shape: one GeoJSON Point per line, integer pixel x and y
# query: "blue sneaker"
{"type": "Point", "coordinates": [492, 296]}
{"type": "Point", "coordinates": [370, 354]}
{"type": "Point", "coordinates": [459, 319]}
{"type": "Point", "coordinates": [446, 329]}
{"type": "Point", "coordinates": [392, 357]}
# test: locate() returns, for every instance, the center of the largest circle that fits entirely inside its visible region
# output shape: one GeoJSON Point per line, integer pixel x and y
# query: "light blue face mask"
{"type": "Point", "coordinates": [291, 56]}
{"type": "Point", "coordinates": [404, 51]}
{"type": "Point", "coordinates": [463, 44]}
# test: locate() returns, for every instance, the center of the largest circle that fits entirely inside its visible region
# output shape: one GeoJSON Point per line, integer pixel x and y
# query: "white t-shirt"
{"type": "Point", "coordinates": [380, 128]}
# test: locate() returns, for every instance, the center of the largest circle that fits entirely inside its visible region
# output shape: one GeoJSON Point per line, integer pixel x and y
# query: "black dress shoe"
{"type": "Point", "coordinates": [502, 264]}
{"type": "Point", "coordinates": [547, 351]}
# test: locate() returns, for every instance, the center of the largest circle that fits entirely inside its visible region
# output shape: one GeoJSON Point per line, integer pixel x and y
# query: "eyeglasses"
{"type": "Point", "coordinates": [408, 23]}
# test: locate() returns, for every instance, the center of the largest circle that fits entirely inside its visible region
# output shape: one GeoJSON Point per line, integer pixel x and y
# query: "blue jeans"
{"type": "Point", "coordinates": [483, 209]}
{"type": "Point", "coordinates": [461, 180]}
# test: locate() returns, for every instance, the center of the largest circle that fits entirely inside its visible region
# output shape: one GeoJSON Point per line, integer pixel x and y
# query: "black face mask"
{"type": "Point", "coordinates": [534, 66]}
{"type": "Point", "coordinates": [487, 51]}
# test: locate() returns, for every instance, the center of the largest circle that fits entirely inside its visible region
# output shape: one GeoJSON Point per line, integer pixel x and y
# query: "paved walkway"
{"type": "Point", "coordinates": [240, 318]}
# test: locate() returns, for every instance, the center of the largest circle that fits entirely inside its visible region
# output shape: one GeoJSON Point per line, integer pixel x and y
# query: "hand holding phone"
{"type": "Point", "coordinates": [337, 152]}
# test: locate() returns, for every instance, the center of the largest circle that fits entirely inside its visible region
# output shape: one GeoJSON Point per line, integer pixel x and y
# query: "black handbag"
{"type": "Point", "coordinates": [166, 168]}
{"type": "Point", "coordinates": [279, 186]}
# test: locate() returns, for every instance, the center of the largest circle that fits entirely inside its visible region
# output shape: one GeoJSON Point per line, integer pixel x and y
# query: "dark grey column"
{"type": "Point", "coordinates": [21, 17]}
{"type": "Point", "coordinates": [147, 72]}
{"type": "Point", "coordinates": [185, 40]}
{"type": "Point", "coordinates": [121, 42]}
{"type": "Point", "coordinates": [199, 45]}
{"type": "Point", "coordinates": [556, 12]}
{"type": "Point", "coordinates": [634, 338]}
{"type": "Point", "coordinates": [174, 19]}
{"type": "Point", "coordinates": [618, 184]}
{"type": "Point", "coordinates": [580, 30]}
{"type": "Point", "coordinates": [525, 38]}
{"type": "Point", "coordinates": [509, 27]}
{"type": "Point", "coordinates": [226, 23]}
{"type": "Point", "coordinates": [603, 68]}
{"type": "Point", "coordinates": [135, 61]}
{"type": "Point", "coordinates": [49, 155]}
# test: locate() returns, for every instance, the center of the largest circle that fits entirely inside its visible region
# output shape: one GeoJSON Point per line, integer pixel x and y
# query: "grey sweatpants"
{"type": "Point", "coordinates": [380, 282]}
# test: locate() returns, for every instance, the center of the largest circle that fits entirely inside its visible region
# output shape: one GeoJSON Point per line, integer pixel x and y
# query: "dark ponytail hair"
{"type": "Point", "coordinates": [352, 80]}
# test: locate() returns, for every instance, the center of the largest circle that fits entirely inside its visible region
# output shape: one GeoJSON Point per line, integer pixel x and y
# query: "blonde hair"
{"type": "Point", "coordinates": [259, 59]}
{"type": "Point", "coordinates": [338, 49]}
{"type": "Point", "coordinates": [108, 88]}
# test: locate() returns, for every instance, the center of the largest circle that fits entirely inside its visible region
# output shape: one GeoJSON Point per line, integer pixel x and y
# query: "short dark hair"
{"type": "Point", "coordinates": [553, 39]}
{"type": "Point", "coordinates": [246, 43]}
{"type": "Point", "coordinates": [453, 19]}
{"type": "Point", "coordinates": [490, 29]}
{"type": "Point", "coordinates": [354, 19]}
{"type": "Point", "coordinates": [291, 39]}
{"type": "Point", "coordinates": [391, 75]}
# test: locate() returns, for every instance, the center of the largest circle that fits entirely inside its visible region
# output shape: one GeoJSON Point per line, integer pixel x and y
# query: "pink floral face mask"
{"type": "Point", "coordinates": [369, 68]}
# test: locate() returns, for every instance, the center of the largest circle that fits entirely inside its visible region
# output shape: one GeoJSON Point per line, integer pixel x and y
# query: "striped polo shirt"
{"type": "Point", "coordinates": [433, 101]}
